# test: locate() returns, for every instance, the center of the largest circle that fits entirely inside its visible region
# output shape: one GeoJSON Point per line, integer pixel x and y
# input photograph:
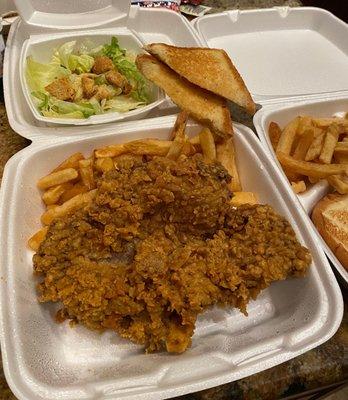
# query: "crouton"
{"type": "Point", "coordinates": [88, 87]}
{"type": "Point", "coordinates": [62, 89]}
{"type": "Point", "coordinates": [102, 64]}
{"type": "Point", "coordinates": [118, 80]}
{"type": "Point", "coordinates": [115, 78]}
{"type": "Point", "coordinates": [103, 92]}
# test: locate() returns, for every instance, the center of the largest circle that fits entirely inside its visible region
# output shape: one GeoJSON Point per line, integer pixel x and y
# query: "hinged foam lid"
{"type": "Point", "coordinates": [282, 52]}
{"type": "Point", "coordinates": [72, 14]}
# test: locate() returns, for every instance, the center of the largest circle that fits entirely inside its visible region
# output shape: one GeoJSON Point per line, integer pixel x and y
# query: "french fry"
{"type": "Point", "coordinates": [313, 180]}
{"type": "Point", "coordinates": [339, 182]}
{"type": "Point", "coordinates": [112, 150]}
{"type": "Point", "coordinates": [35, 241]}
{"type": "Point", "coordinates": [178, 132]}
{"type": "Point", "coordinates": [226, 155]}
{"type": "Point", "coordinates": [298, 187]}
{"type": "Point", "coordinates": [341, 148]}
{"type": "Point", "coordinates": [77, 202]}
{"type": "Point", "coordinates": [310, 168]}
{"type": "Point", "coordinates": [175, 150]}
{"type": "Point", "coordinates": [292, 176]}
{"type": "Point", "coordinates": [240, 198]}
{"type": "Point", "coordinates": [86, 173]}
{"type": "Point", "coordinates": [341, 158]}
{"type": "Point", "coordinates": [52, 195]}
{"type": "Point", "coordinates": [76, 189]}
{"type": "Point", "coordinates": [50, 206]}
{"type": "Point", "coordinates": [189, 149]}
{"type": "Point", "coordinates": [315, 147]}
{"type": "Point", "coordinates": [326, 122]}
{"type": "Point", "coordinates": [288, 136]}
{"type": "Point", "coordinates": [57, 178]}
{"type": "Point", "coordinates": [70, 162]}
{"type": "Point", "coordinates": [303, 145]}
{"type": "Point", "coordinates": [329, 145]}
{"type": "Point", "coordinates": [304, 125]}
{"type": "Point", "coordinates": [274, 133]}
{"type": "Point", "coordinates": [206, 139]}
{"type": "Point", "coordinates": [195, 140]}
{"type": "Point", "coordinates": [104, 164]}
{"type": "Point", "coordinates": [151, 147]}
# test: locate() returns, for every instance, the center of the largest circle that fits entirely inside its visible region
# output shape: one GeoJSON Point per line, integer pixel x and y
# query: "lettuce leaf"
{"type": "Point", "coordinates": [65, 63]}
{"type": "Point", "coordinates": [74, 63]}
{"type": "Point", "coordinates": [40, 75]}
{"type": "Point", "coordinates": [49, 106]}
{"type": "Point", "coordinates": [80, 64]}
{"type": "Point", "coordinates": [122, 104]}
{"type": "Point", "coordinates": [128, 69]}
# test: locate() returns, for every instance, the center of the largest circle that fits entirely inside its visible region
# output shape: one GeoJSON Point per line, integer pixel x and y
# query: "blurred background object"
{"type": "Point", "coordinates": [6, 6]}
{"type": "Point", "coordinates": [337, 7]}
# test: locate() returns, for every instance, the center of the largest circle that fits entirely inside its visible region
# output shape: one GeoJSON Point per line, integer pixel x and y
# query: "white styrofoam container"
{"type": "Point", "coordinates": [282, 53]}
{"type": "Point", "coordinates": [147, 25]}
{"type": "Point", "coordinates": [295, 62]}
{"type": "Point", "coordinates": [41, 47]}
{"type": "Point", "coordinates": [44, 361]}
{"type": "Point", "coordinates": [283, 115]}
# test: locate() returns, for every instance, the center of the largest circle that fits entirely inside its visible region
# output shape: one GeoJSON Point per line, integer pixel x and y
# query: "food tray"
{"type": "Point", "coordinates": [283, 115]}
{"type": "Point", "coordinates": [148, 25]}
{"type": "Point", "coordinates": [40, 48]}
{"type": "Point", "coordinates": [300, 56]}
{"type": "Point", "coordinates": [56, 361]}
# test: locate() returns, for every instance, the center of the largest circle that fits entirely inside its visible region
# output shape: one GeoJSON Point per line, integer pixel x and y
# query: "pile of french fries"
{"type": "Point", "coordinates": [310, 149]}
{"type": "Point", "coordinates": [72, 185]}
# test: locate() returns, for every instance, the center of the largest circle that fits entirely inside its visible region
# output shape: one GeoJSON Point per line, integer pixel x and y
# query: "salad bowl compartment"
{"type": "Point", "coordinates": [40, 30]}
{"type": "Point", "coordinates": [71, 58]}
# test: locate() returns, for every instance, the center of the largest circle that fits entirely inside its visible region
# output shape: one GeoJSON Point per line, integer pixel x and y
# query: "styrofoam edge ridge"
{"type": "Point", "coordinates": [115, 11]}
{"type": "Point", "coordinates": [331, 285]}
{"type": "Point", "coordinates": [283, 11]}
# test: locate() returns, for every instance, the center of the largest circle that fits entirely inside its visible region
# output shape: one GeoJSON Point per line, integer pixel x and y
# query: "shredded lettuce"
{"type": "Point", "coordinates": [49, 106]}
{"type": "Point", "coordinates": [40, 75]}
{"type": "Point", "coordinates": [100, 80]}
{"type": "Point", "coordinates": [128, 69]}
{"type": "Point", "coordinates": [74, 63]}
{"type": "Point", "coordinates": [122, 104]}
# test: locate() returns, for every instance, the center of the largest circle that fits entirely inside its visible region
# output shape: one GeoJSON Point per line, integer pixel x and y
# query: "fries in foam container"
{"type": "Point", "coordinates": [319, 169]}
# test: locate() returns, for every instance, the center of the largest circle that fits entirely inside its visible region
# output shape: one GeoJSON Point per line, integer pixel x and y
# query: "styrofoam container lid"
{"type": "Point", "coordinates": [46, 361]}
{"type": "Point", "coordinates": [282, 52]}
{"type": "Point", "coordinates": [72, 14]}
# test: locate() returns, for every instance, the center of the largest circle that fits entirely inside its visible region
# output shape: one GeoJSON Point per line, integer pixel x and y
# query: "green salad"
{"type": "Point", "coordinates": [81, 82]}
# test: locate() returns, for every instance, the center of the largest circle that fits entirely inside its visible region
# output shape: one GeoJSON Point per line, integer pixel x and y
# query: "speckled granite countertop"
{"type": "Point", "coordinates": [325, 366]}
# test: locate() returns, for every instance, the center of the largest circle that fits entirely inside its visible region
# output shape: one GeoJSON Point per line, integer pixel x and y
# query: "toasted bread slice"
{"type": "Point", "coordinates": [330, 216]}
{"type": "Point", "coordinates": [211, 69]}
{"type": "Point", "coordinates": [205, 107]}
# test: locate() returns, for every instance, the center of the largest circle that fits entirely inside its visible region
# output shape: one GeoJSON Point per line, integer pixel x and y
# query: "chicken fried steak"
{"type": "Point", "coordinates": [161, 243]}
